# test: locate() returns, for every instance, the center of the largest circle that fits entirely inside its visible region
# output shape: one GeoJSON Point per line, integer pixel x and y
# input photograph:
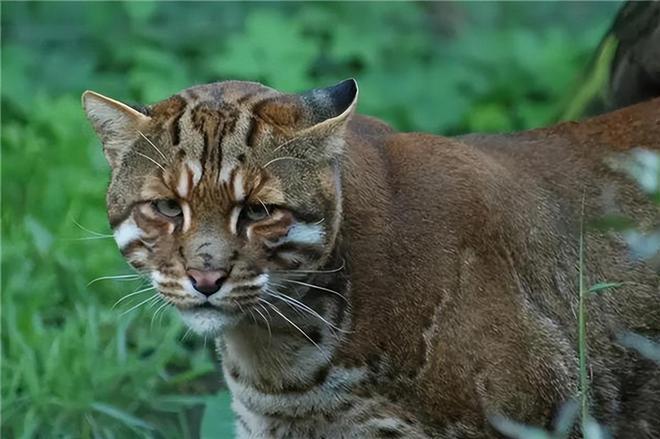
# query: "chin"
{"type": "Point", "coordinates": [208, 322]}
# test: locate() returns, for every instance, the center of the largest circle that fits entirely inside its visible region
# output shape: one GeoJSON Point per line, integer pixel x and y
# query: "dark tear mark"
{"type": "Point", "coordinates": [241, 158]}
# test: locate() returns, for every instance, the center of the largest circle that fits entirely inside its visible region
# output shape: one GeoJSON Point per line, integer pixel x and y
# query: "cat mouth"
{"type": "Point", "coordinates": [206, 305]}
{"type": "Point", "coordinates": [230, 305]}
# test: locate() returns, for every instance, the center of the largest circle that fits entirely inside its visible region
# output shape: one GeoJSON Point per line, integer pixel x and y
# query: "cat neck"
{"type": "Point", "coordinates": [293, 347]}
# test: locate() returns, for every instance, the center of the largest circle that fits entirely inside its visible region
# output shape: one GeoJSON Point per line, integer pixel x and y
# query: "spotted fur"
{"type": "Point", "coordinates": [385, 285]}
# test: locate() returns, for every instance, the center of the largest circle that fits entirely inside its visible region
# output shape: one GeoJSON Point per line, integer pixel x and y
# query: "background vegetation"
{"type": "Point", "coordinates": [75, 366]}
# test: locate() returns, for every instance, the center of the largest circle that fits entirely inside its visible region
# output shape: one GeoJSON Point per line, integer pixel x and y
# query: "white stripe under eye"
{"type": "Point", "coordinates": [126, 233]}
{"type": "Point", "coordinates": [305, 234]}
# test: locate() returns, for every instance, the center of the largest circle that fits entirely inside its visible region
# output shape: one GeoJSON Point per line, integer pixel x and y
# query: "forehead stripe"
{"type": "Point", "coordinates": [175, 128]}
{"type": "Point", "coordinates": [188, 178]}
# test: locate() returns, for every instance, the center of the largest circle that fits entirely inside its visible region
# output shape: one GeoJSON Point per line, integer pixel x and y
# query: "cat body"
{"type": "Point", "coordinates": [365, 283]}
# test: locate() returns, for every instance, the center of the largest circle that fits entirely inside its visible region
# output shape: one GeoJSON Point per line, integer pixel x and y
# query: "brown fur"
{"type": "Point", "coordinates": [460, 263]}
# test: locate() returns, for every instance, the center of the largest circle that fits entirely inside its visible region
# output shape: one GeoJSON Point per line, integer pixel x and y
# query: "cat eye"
{"type": "Point", "coordinates": [168, 207]}
{"type": "Point", "coordinates": [255, 212]}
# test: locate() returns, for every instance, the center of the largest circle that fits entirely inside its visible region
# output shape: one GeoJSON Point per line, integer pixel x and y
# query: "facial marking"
{"type": "Point", "coordinates": [233, 219]}
{"type": "Point", "coordinates": [273, 227]}
{"type": "Point", "coordinates": [238, 186]}
{"type": "Point", "coordinates": [185, 209]}
{"type": "Point", "coordinates": [305, 234]}
{"type": "Point", "coordinates": [256, 282]}
{"type": "Point", "coordinates": [126, 233]}
{"type": "Point", "coordinates": [189, 177]}
{"type": "Point", "coordinates": [225, 172]}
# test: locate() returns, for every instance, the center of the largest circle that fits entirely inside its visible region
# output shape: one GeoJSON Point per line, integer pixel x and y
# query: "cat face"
{"type": "Point", "coordinates": [219, 191]}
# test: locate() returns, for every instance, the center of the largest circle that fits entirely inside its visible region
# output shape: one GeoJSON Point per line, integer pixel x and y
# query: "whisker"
{"type": "Point", "coordinates": [343, 265]}
{"type": "Point", "coordinates": [155, 302]}
{"type": "Point", "coordinates": [154, 297]}
{"type": "Point", "coordinates": [274, 308]}
{"type": "Point", "coordinates": [162, 306]}
{"type": "Point", "coordinates": [264, 206]}
{"type": "Point", "coordinates": [281, 158]}
{"type": "Point", "coordinates": [270, 334]}
{"type": "Point", "coordinates": [131, 295]}
{"type": "Point", "coordinates": [152, 144]}
{"type": "Point", "coordinates": [89, 238]}
{"type": "Point", "coordinates": [303, 306]}
{"type": "Point", "coordinates": [266, 310]}
{"type": "Point", "coordinates": [85, 229]}
{"type": "Point", "coordinates": [150, 159]}
{"type": "Point", "coordinates": [254, 319]}
{"type": "Point", "coordinates": [127, 277]}
{"type": "Point", "coordinates": [283, 144]}
{"type": "Point", "coordinates": [316, 287]}
{"type": "Point", "coordinates": [185, 334]}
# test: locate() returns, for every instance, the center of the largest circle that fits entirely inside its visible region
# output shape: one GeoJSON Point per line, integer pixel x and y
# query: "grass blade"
{"type": "Point", "coordinates": [122, 416]}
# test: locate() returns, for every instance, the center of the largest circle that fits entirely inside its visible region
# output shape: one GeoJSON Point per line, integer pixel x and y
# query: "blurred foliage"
{"type": "Point", "coordinates": [75, 367]}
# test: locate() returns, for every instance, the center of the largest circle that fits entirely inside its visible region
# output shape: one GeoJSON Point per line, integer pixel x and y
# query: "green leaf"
{"type": "Point", "coordinates": [122, 416]}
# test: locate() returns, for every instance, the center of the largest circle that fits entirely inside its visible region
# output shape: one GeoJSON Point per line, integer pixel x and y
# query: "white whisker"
{"type": "Point", "coordinates": [152, 144]}
{"type": "Point", "coordinates": [264, 206]}
{"type": "Point", "coordinates": [131, 295]}
{"type": "Point", "coordinates": [154, 297]}
{"type": "Point", "coordinates": [285, 143]}
{"type": "Point", "coordinates": [274, 308]}
{"type": "Point", "coordinates": [316, 287]}
{"type": "Point", "coordinates": [162, 306]}
{"type": "Point", "coordinates": [150, 159]}
{"type": "Point", "coordinates": [85, 229]}
{"type": "Point", "coordinates": [297, 303]}
{"type": "Point", "coordinates": [127, 277]}
{"type": "Point", "coordinates": [270, 334]}
{"type": "Point", "coordinates": [281, 158]}
{"type": "Point", "coordinates": [343, 264]}
{"type": "Point", "coordinates": [89, 238]}
{"type": "Point", "coordinates": [185, 334]}
{"type": "Point", "coordinates": [254, 319]}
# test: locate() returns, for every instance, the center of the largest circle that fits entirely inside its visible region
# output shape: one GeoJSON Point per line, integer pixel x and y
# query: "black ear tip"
{"type": "Point", "coordinates": [343, 94]}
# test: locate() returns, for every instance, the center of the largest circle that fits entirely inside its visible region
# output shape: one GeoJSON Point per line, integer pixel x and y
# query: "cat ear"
{"type": "Point", "coordinates": [331, 107]}
{"type": "Point", "coordinates": [116, 124]}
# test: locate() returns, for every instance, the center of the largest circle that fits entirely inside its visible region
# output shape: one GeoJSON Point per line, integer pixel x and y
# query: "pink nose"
{"type": "Point", "coordinates": [207, 282]}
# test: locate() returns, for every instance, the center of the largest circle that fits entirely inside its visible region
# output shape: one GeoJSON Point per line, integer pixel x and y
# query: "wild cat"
{"type": "Point", "coordinates": [366, 283]}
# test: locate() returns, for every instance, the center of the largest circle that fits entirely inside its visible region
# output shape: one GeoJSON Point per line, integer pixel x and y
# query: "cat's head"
{"type": "Point", "coordinates": [219, 190]}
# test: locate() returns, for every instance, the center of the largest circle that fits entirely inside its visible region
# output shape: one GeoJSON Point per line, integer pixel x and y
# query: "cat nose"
{"type": "Point", "coordinates": [207, 282]}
